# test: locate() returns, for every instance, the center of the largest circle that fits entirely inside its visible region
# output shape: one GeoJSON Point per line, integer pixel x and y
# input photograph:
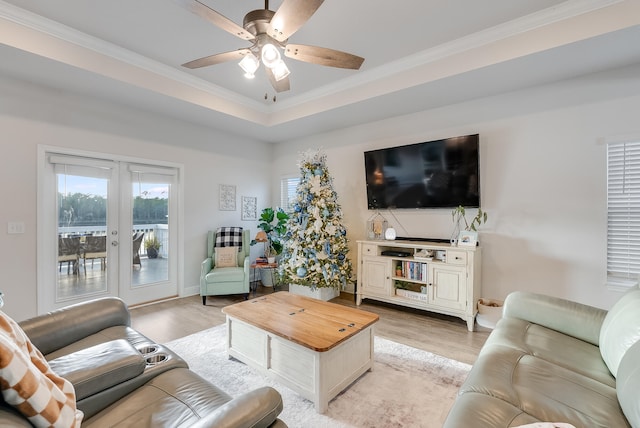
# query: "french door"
{"type": "Point", "coordinates": [107, 227]}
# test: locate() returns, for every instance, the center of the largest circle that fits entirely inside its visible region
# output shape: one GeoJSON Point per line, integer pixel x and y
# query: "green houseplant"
{"type": "Point", "coordinates": [274, 224]}
{"type": "Point", "coordinates": [459, 214]}
{"type": "Point", "coordinates": [152, 245]}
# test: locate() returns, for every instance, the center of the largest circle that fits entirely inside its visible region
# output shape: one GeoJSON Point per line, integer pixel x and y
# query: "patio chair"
{"type": "Point", "coordinates": [137, 240]}
{"type": "Point", "coordinates": [68, 252]}
{"type": "Point", "coordinates": [95, 247]}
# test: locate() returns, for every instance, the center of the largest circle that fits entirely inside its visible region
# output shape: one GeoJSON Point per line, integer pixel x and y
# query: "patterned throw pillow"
{"type": "Point", "coordinates": [226, 257]}
{"type": "Point", "coordinates": [229, 237]}
{"type": "Point", "coordinates": [28, 384]}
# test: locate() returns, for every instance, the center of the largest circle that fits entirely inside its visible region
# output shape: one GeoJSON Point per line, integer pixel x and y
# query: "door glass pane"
{"type": "Point", "coordinates": [82, 240]}
{"type": "Point", "coordinates": [150, 234]}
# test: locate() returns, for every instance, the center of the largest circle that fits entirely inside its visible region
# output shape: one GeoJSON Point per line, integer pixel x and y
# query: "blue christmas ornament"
{"type": "Point", "coordinates": [340, 256]}
{"type": "Point", "coordinates": [309, 197]}
{"type": "Point", "coordinates": [318, 171]}
{"type": "Point", "coordinates": [297, 208]}
{"type": "Point", "coordinates": [301, 272]}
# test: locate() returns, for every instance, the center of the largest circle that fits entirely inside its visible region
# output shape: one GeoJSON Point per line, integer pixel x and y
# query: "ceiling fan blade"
{"type": "Point", "coordinates": [279, 85]}
{"type": "Point", "coordinates": [290, 16]}
{"type": "Point", "coordinates": [323, 56]}
{"type": "Point", "coordinates": [216, 59]}
{"type": "Point", "coordinates": [215, 18]}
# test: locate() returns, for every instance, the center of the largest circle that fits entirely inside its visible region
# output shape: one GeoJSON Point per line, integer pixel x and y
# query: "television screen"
{"type": "Point", "coordinates": [435, 174]}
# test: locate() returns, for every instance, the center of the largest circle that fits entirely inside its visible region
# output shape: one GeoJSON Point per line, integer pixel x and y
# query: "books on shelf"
{"type": "Point", "coordinates": [415, 271]}
{"type": "Point", "coordinates": [261, 260]}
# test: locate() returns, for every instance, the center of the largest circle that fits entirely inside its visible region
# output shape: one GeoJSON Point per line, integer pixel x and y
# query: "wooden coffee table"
{"type": "Point", "coordinates": [314, 347]}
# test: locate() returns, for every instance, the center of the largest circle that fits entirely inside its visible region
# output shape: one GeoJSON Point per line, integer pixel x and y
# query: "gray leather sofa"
{"type": "Point", "coordinates": [124, 379]}
{"type": "Point", "coordinates": [552, 360]}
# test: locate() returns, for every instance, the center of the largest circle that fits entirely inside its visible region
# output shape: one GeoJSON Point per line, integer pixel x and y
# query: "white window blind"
{"type": "Point", "coordinates": [623, 212]}
{"type": "Point", "coordinates": [288, 186]}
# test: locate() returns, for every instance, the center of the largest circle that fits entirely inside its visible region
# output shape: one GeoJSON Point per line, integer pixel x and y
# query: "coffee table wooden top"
{"type": "Point", "coordinates": [312, 323]}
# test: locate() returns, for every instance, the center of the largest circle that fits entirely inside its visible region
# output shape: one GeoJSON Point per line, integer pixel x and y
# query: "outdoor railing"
{"type": "Point", "coordinates": [160, 231]}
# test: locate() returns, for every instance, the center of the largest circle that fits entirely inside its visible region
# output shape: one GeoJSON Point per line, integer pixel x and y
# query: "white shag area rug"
{"type": "Point", "coordinates": [407, 387]}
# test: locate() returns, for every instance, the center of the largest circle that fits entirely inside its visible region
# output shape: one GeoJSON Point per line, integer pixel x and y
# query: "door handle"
{"type": "Point", "coordinates": [114, 243]}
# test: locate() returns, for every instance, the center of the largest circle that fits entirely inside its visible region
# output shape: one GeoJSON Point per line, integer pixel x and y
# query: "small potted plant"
{"type": "Point", "coordinates": [152, 245]}
{"type": "Point", "coordinates": [458, 215]}
{"type": "Point", "coordinates": [274, 224]}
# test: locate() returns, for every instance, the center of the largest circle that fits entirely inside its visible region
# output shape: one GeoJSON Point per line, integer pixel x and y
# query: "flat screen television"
{"type": "Point", "coordinates": [434, 174]}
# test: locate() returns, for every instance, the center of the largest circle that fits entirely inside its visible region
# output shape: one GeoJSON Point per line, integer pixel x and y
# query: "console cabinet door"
{"type": "Point", "coordinates": [376, 276]}
{"type": "Point", "coordinates": [448, 286]}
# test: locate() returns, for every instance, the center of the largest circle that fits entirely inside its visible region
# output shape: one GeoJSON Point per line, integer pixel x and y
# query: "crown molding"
{"type": "Point", "coordinates": [566, 10]}
{"type": "Point", "coordinates": [386, 78]}
{"type": "Point", "coordinates": [68, 34]}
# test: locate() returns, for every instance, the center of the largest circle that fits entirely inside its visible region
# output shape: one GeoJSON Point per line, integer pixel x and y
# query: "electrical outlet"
{"type": "Point", "coordinates": [14, 227]}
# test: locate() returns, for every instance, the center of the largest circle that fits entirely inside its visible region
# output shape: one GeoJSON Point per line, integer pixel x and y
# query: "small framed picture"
{"type": "Point", "coordinates": [249, 208]}
{"type": "Point", "coordinates": [227, 197]}
{"type": "Point", "coordinates": [467, 238]}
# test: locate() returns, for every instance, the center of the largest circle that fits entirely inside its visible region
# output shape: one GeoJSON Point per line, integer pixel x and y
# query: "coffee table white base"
{"type": "Point", "coordinates": [317, 376]}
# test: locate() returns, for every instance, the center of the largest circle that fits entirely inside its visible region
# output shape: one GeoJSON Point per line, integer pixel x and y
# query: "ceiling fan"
{"type": "Point", "coordinates": [270, 31]}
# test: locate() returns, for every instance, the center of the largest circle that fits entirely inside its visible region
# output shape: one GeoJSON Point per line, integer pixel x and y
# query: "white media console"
{"type": "Point", "coordinates": [428, 275]}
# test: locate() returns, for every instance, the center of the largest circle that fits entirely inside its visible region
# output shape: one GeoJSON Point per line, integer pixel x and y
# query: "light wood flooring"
{"type": "Point", "coordinates": [439, 334]}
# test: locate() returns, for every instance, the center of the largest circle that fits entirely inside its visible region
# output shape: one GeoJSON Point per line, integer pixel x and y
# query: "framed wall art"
{"type": "Point", "coordinates": [249, 208]}
{"type": "Point", "coordinates": [227, 197]}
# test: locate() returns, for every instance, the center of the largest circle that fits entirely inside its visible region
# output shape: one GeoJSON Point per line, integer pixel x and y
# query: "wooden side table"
{"type": "Point", "coordinates": [258, 267]}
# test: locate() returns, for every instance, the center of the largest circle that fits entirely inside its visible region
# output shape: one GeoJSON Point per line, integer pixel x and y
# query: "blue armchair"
{"type": "Point", "coordinates": [216, 281]}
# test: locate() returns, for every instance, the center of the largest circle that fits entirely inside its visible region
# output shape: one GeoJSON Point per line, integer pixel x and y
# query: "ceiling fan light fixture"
{"type": "Point", "coordinates": [249, 64]}
{"type": "Point", "coordinates": [270, 55]}
{"type": "Point", "coordinates": [280, 70]}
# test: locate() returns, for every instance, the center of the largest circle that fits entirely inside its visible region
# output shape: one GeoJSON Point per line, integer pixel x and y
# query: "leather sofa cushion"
{"type": "Point", "coordinates": [99, 367]}
{"type": "Point", "coordinates": [620, 329]}
{"type": "Point", "coordinates": [484, 411]}
{"type": "Point", "coordinates": [227, 274]}
{"type": "Point", "coordinates": [179, 397]}
{"type": "Point", "coordinates": [107, 335]}
{"type": "Point", "coordinates": [550, 345]}
{"type": "Point", "coordinates": [542, 390]}
{"type": "Point", "coordinates": [629, 384]}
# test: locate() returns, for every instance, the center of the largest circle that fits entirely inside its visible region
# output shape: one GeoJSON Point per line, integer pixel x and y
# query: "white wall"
{"type": "Point", "coordinates": [32, 115]}
{"type": "Point", "coordinates": [543, 179]}
{"type": "Point", "coordinates": [542, 171]}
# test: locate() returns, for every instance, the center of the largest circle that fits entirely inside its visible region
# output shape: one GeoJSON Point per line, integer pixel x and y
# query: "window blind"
{"type": "Point", "coordinates": [623, 212]}
{"type": "Point", "coordinates": [288, 186]}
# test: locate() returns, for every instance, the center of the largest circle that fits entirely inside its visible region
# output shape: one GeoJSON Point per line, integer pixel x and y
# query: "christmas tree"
{"type": "Point", "coordinates": [315, 250]}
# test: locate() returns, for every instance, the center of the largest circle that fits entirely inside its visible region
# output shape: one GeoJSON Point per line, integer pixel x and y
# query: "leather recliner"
{"type": "Point", "coordinates": [124, 379]}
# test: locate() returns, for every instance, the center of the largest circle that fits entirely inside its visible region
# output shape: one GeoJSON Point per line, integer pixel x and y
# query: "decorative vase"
{"type": "Point", "coordinates": [324, 293]}
{"type": "Point", "coordinates": [455, 233]}
{"type": "Point", "coordinates": [268, 277]}
{"type": "Point", "coordinates": [152, 253]}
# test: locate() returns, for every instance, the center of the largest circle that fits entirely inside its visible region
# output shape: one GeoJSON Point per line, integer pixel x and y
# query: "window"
{"type": "Point", "coordinates": [623, 213]}
{"type": "Point", "coordinates": [288, 186]}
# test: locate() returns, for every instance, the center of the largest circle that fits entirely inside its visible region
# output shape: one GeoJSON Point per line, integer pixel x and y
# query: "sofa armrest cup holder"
{"type": "Point", "coordinates": [154, 359]}
{"type": "Point", "coordinates": [148, 349]}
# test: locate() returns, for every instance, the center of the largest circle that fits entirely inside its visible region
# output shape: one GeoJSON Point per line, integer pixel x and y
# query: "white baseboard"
{"type": "Point", "coordinates": [190, 291]}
